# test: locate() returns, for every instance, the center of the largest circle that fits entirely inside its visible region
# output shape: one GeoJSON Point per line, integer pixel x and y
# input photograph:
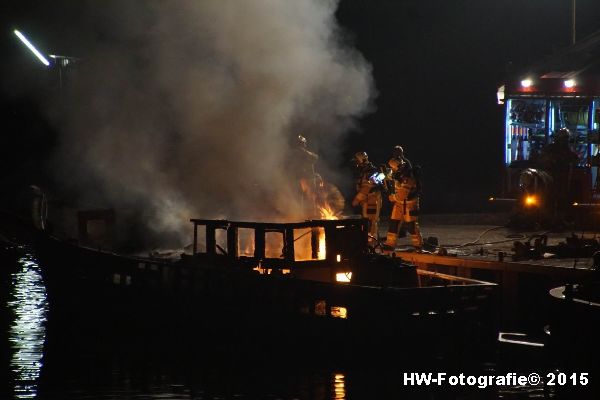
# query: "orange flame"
{"type": "Point", "coordinates": [322, 246]}
{"type": "Point", "coordinates": [326, 212]}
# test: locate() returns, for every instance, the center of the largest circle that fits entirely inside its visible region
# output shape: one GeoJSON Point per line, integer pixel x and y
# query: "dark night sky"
{"type": "Point", "coordinates": [436, 66]}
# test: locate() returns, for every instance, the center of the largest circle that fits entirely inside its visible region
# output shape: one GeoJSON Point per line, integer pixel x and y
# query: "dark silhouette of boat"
{"type": "Point", "coordinates": [318, 280]}
{"type": "Point", "coordinates": [574, 326]}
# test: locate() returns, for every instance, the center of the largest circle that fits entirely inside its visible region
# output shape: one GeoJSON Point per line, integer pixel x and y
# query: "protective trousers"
{"type": "Point", "coordinates": [370, 210]}
{"type": "Point", "coordinates": [404, 213]}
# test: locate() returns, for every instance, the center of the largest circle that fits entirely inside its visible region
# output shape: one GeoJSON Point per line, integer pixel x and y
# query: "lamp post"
{"type": "Point", "coordinates": [32, 48]}
{"type": "Point", "coordinates": [60, 62]}
{"type": "Point", "coordinates": [573, 13]}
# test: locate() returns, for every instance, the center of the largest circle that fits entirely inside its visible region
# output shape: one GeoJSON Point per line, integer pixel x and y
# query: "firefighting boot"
{"type": "Point", "coordinates": [390, 243]}
{"type": "Point", "coordinates": [373, 231]}
{"type": "Point", "coordinates": [417, 243]}
{"type": "Point", "coordinates": [371, 212]}
{"type": "Point", "coordinates": [415, 236]}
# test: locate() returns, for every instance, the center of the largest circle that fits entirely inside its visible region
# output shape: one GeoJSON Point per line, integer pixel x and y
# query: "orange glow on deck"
{"type": "Point", "coordinates": [343, 277]}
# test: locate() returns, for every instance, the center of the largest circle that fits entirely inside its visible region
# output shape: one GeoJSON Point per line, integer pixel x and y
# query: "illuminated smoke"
{"type": "Point", "coordinates": [186, 108]}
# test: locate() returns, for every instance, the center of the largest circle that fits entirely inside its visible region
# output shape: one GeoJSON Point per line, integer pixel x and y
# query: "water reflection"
{"type": "Point", "coordinates": [27, 333]}
{"type": "Point", "coordinates": [339, 386]}
{"type": "Point", "coordinates": [93, 360]}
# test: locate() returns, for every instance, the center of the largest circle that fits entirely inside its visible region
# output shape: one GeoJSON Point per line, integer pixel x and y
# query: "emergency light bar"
{"type": "Point", "coordinates": [32, 48]}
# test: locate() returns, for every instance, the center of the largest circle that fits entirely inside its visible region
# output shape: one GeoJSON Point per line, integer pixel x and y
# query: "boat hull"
{"type": "Point", "coordinates": [216, 301]}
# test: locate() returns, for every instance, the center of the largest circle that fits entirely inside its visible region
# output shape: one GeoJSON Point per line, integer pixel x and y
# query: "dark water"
{"type": "Point", "coordinates": [50, 354]}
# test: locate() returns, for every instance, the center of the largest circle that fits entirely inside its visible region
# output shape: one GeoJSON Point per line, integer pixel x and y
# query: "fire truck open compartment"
{"type": "Point", "coordinates": [562, 91]}
{"type": "Point", "coordinates": [532, 123]}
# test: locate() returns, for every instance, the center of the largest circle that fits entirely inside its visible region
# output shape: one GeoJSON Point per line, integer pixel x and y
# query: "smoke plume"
{"type": "Point", "coordinates": [186, 108]}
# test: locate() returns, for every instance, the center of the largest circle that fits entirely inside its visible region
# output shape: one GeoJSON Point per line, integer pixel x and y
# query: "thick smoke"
{"type": "Point", "coordinates": [186, 108]}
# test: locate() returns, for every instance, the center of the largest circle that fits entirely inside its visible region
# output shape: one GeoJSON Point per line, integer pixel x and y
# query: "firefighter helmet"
{"type": "Point", "coordinates": [396, 164]}
{"type": "Point", "coordinates": [301, 140]}
{"type": "Point", "coordinates": [361, 157]}
{"type": "Point", "coordinates": [398, 152]}
{"type": "Point", "coordinates": [563, 134]}
{"type": "Point", "coordinates": [319, 180]}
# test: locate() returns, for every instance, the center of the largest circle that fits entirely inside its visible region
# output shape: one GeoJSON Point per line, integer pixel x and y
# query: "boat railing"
{"type": "Point", "coordinates": [432, 278]}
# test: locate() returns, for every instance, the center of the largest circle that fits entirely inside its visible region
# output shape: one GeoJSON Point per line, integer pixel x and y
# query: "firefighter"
{"type": "Point", "coordinates": [557, 158]}
{"type": "Point", "coordinates": [369, 185]}
{"type": "Point", "coordinates": [405, 201]}
{"type": "Point", "coordinates": [559, 161]}
{"type": "Point", "coordinates": [303, 170]}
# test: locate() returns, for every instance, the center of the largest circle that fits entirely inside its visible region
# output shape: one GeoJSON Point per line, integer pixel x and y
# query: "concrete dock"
{"type": "Point", "coordinates": [481, 247]}
{"type": "Point", "coordinates": [484, 237]}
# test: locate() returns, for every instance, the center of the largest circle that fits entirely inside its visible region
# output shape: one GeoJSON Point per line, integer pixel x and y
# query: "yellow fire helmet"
{"type": "Point", "coordinates": [396, 164]}
{"type": "Point", "coordinates": [398, 152]}
{"type": "Point", "coordinates": [361, 157]}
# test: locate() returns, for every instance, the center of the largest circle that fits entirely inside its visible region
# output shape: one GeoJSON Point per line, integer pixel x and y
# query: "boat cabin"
{"type": "Point", "coordinates": [317, 250]}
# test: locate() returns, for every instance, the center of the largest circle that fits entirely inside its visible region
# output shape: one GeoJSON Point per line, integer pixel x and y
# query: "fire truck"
{"type": "Point", "coordinates": [561, 92]}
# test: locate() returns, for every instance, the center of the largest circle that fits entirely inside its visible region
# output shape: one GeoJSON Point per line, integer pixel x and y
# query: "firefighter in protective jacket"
{"type": "Point", "coordinates": [369, 184]}
{"type": "Point", "coordinates": [405, 201]}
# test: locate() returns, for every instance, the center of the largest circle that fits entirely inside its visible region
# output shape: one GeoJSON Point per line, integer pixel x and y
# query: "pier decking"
{"type": "Point", "coordinates": [485, 251]}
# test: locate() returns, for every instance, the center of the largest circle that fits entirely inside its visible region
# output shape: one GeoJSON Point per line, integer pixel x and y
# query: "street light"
{"type": "Point", "coordinates": [32, 48]}
{"type": "Point", "coordinates": [59, 62]}
{"type": "Point", "coordinates": [62, 62]}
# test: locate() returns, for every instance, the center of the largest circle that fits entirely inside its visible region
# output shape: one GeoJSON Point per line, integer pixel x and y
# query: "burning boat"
{"type": "Point", "coordinates": [317, 278]}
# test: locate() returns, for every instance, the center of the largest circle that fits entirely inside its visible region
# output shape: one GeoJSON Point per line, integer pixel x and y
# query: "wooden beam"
{"type": "Point", "coordinates": [420, 259]}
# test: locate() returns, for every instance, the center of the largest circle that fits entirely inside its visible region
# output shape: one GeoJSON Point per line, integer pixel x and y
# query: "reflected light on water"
{"type": "Point", "coordinates": [27, 332]}
{"type": "Point", "coordinates": [339, 386]}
